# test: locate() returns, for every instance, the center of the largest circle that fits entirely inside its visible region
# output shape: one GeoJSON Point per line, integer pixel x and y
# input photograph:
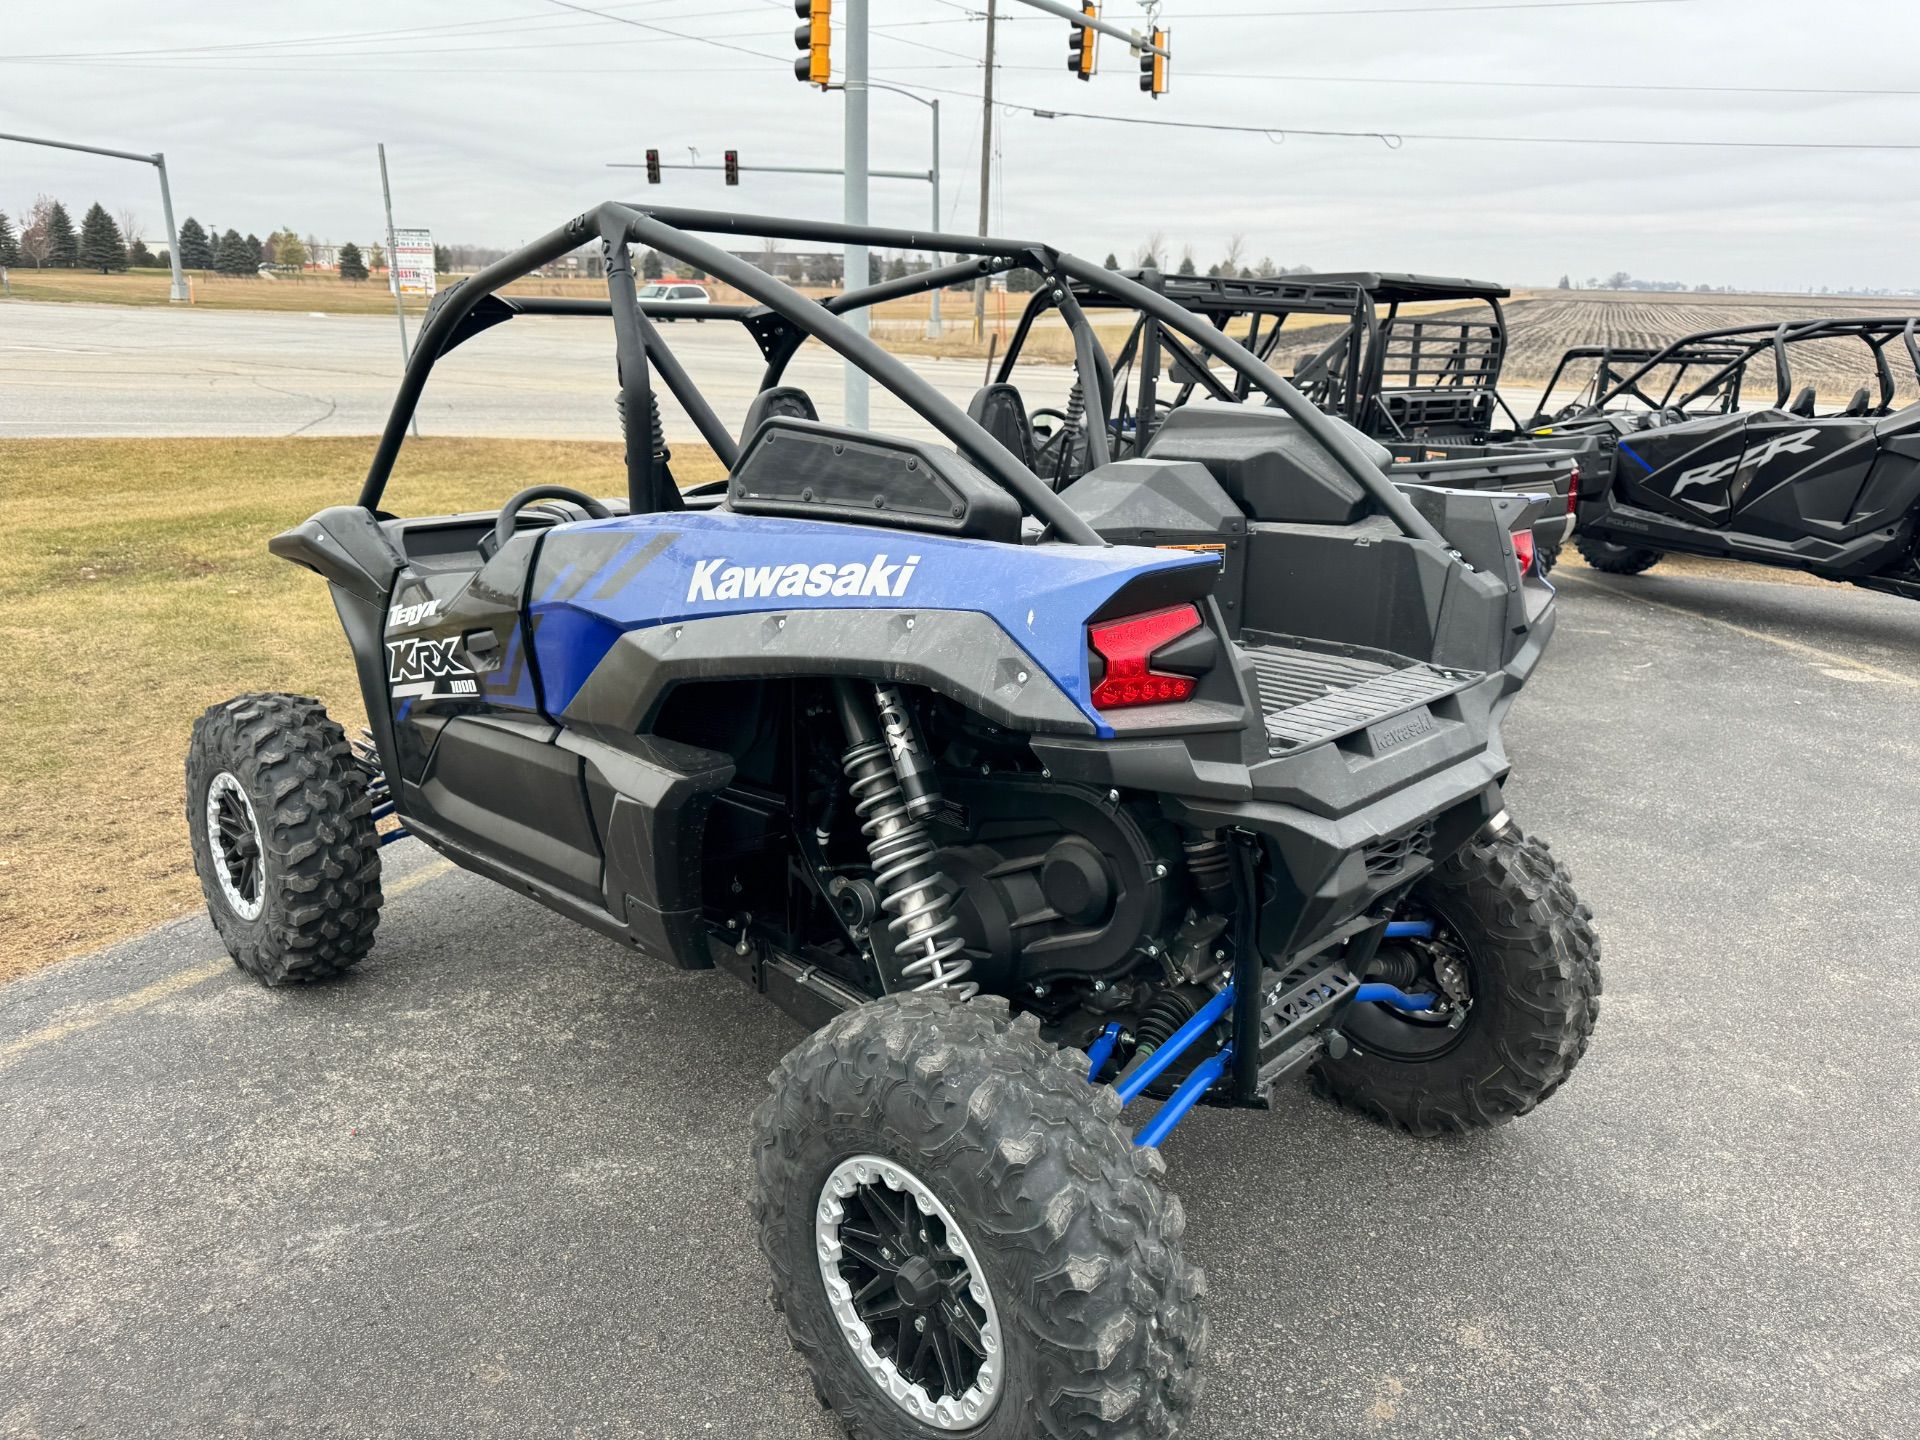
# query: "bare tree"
{"type": "Point", "coordinates": [1236, 255]}
{"type": "Point", "coordinates": [36, 235]}
{"type": "Point", "coordinates": [1148, 256]}
{"type": "Point", "coordinates": [131, 230]}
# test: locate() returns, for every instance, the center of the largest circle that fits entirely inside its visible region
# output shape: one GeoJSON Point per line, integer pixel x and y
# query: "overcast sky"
{"type": "Point", "coordinates": [500, 115]}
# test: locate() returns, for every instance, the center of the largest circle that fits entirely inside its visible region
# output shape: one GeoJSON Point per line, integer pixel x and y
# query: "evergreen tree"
{"type": "Point", "coordinates": [9, 245]}
{"type": "Point", "coordinates": [650, 266]}
{"type": "Point", "coordinates": [65, 254]}
{"type": "Point", "coordinates": [1113, 261]}
{"type": "Point", "coordinates": [139, 256]}
{"type": "Point", "coordinates": [352, 265]}
{"type": "Point", "coordinates": [1187, 266]}
{"type": "Point", "coordinates": [101, 245]}
{"type": "Point", "coordinates": [442, 260]}
{"type": "Point", "coordinates": [233, 257]}
{"type": "Point", "coordinates": [196, 253]}
{"type": "Point", "coordinates": [897, 268]}
{"type": "Point", "coordinates": [256, 252]}
{"type": "Point", "coordinates": [1566, 282]}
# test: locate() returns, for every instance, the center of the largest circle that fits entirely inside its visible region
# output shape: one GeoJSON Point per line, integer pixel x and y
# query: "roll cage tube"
{"type": "Point", "coordinates": [1754, 339]}
{"type": "Point", "coordinates": [618, 225]}
{"type": "Point", "coordinates": [946, 417]}
{"type": "Point", "coordinates": [1319, 426]}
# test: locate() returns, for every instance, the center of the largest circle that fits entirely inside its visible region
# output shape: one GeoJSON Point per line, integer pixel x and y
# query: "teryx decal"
{"type": "Point", "coordinates": [1796, 442]}
{"type": "Point", "coordinates": [429, 668]}
{"type": "Point", "coordinates": [717, 580]}
{"type": "Point", "coordinates": [402, 617]}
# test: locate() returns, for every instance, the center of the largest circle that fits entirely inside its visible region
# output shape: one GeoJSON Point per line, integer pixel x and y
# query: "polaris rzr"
{"type": "Point", "coordinates": [1420, 392]}
{"type": "Point", "coordinates": [1029, 826]}
{"type": "Point", "coordinates": [1671, 462]}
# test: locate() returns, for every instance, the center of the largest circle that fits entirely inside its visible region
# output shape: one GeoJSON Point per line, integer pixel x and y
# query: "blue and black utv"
{"type": "Point", "coordinates": [1167, 786]}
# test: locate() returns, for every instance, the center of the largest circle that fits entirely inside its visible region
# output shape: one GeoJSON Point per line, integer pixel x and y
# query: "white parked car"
{"type": "Point", "coordinates": [678, 291]}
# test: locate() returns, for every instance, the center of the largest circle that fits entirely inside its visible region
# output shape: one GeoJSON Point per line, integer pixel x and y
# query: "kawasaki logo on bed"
{"type": "Point", "coordinates": [429, 669]}
{"type": "Point", "coordinates": [719, 579]}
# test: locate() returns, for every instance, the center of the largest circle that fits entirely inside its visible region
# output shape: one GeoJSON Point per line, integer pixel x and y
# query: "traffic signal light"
{"type": "Point", "coordinates": [1081, 42]}
{"type": "Point", "coordinates": [733, 167]}
{"type": "Point", "coordinates": [814, 37]}
{"type": "Point", "coordinates": [653, 167]}
{"type": "Point", "coordinates": [1153, 66]}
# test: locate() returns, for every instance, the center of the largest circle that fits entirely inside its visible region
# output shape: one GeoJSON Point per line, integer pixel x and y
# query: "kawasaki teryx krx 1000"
{"type": "Point", "coordinates": [1028, 825]}
{"type": "Point", "coordinates": [1672, 462]}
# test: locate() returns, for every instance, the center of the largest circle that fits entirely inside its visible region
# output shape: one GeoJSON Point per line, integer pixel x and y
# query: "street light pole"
{"type": "Point", "coordinates": [159, 162]}
{"type": "Point", "coordinates": [986, 173]}
{"type": "Point", "coordinates": [855, 262]}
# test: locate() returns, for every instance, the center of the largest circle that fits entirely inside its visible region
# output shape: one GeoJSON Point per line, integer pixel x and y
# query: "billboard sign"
{"type": "Point", "coordinates": [412, 269]}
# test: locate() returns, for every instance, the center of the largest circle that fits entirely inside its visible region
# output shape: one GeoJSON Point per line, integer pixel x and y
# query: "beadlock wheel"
{"type": "Point", "coordinates": [233, 835]}
{"type": "Point", "coordinates": [907, 1292]}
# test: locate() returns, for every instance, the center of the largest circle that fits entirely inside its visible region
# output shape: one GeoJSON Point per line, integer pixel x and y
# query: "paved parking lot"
{"type": "Point", "coordinates": [493, 1186]}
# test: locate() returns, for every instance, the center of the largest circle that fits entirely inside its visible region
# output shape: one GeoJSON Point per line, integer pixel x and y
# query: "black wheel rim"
{"type": "Point", "coordinates": [907, 1292]}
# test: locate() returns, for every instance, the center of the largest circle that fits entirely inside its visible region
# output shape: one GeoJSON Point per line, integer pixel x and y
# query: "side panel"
{"type": "Point", "coordinates": [597, 582]}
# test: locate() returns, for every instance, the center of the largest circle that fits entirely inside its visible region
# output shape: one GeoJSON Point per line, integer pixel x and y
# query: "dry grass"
{"type": "Point", "coordinates": [139, 591]}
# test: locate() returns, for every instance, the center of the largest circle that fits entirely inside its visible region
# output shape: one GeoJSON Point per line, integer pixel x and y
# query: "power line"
{"type": "Point", "coordinates": [1534, 84]}
{"type": "Point", "coordinates": [497, 25]}
{"type": "Point", "coordinates": [1394, 139]}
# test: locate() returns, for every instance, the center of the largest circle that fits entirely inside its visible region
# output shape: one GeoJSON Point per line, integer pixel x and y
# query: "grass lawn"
{"type": "Point", "coordinates": [137, 591]}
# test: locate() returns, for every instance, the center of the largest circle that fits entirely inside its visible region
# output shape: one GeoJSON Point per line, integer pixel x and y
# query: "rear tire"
{"type": "Point", "coordinates": [1532, 964]}
{"type": "Point", "coordinates": [1615, 559]}
{"type": "Point", "coordinates": [1097, 1322]}
{"type": "Point", "coordinates": [283, 838]}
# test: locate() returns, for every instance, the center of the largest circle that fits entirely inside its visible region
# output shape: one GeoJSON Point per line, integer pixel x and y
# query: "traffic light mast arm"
{"type": "Point", "coordinates": [1065, 11]}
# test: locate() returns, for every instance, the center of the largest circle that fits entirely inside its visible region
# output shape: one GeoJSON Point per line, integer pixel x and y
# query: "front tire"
{"type": "Point", "coordinates": [1505, 913]}
{"type": "Point", "coordinates": [1045, 1255]}
{"type": "Point", "coordinates": [1615, 559]}
{"type": "Point", "coordinates": [283, 838]}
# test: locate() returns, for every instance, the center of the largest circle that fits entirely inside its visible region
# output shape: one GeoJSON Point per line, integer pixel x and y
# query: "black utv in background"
{"type": "Point", "coordinates": [1418, 392]}
{"type": "Point", "coordinates": [1715, 446]}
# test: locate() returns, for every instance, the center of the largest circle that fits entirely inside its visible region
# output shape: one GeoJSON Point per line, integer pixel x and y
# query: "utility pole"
{"type": "Point", "coordinates": [393, 279]}
{"type": "Point", "coordinates": [855, 261]}
{"type": "Point", "coordinates": [178, 294]}
{"type": "Point", "coordinates": [986, 174]}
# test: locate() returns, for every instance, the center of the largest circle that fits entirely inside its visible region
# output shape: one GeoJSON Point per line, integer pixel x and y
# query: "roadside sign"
{"type": "Point", "coordinates": [412, 270]}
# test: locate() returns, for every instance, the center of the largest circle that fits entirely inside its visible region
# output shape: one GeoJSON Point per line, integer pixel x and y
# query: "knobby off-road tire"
{"type": "Point", "coordinates": [1545, 557]}
{"type": "Point", "coordinates": [1533, 966]}
{"type": "Point", "coordinates": [276, 766]}
{"type": "Point", "coordinates": [1615, 559]}
{"type": "Point", "coordinates": [1101, 1324]}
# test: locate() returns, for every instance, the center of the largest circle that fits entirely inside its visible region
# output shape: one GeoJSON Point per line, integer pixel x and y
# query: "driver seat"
{"type": "Point", "coordinates": [788, 401]}
{"type": "Point", "coordinates": [999, 410]}
{"type": "Point", "coordinates": [1860, 404]}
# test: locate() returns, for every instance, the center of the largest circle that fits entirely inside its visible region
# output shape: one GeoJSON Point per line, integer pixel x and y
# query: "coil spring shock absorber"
{"type": "Point", "coordinates": [889, 777]}
{"type": "Point", "coordinates": [1070, 432]}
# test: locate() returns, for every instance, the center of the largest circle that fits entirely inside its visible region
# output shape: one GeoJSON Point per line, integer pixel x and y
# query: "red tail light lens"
{"type": "Point", "coordinates": [1127, 646]}
{"type": "Point", "coordinates": [1573, 490]}
{"type": "Point", "coordinates": [1523, 550]}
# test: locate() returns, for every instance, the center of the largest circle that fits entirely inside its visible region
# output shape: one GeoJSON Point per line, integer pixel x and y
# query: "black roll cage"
{"type": "Point", "coordinates": [1729, 352]}
{"type": "Point", "coordinates": [782, 319]}
{"type": "Point", "coordinates": [1345, 379]}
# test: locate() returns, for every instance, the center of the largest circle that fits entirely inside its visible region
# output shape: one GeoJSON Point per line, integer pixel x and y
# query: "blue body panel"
{"type": "Point", "coordinates": [692, 565]}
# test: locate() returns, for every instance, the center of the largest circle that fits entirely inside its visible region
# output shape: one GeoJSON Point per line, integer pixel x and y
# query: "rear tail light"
{"type": "Point", "coordinates": [1127, 648]}
{"type": "Point", "coordinates": [1573, 489]}
{"type": "Point", "coordinates": [1523, 550]}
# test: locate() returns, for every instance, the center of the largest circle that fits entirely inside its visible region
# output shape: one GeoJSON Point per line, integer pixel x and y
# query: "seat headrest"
{"type": "Point", "coordinates": [789, 401]}
{"type": "Point", "coordinates": [999, 410]}
{"type": "Point", "coordinates": [1802, 404]}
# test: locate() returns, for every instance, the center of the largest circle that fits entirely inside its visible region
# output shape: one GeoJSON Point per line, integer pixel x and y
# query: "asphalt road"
{"type": "Point", "coordinates": [494, 1184]}
{"type": "Point", "coordinates": [116, 370]}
